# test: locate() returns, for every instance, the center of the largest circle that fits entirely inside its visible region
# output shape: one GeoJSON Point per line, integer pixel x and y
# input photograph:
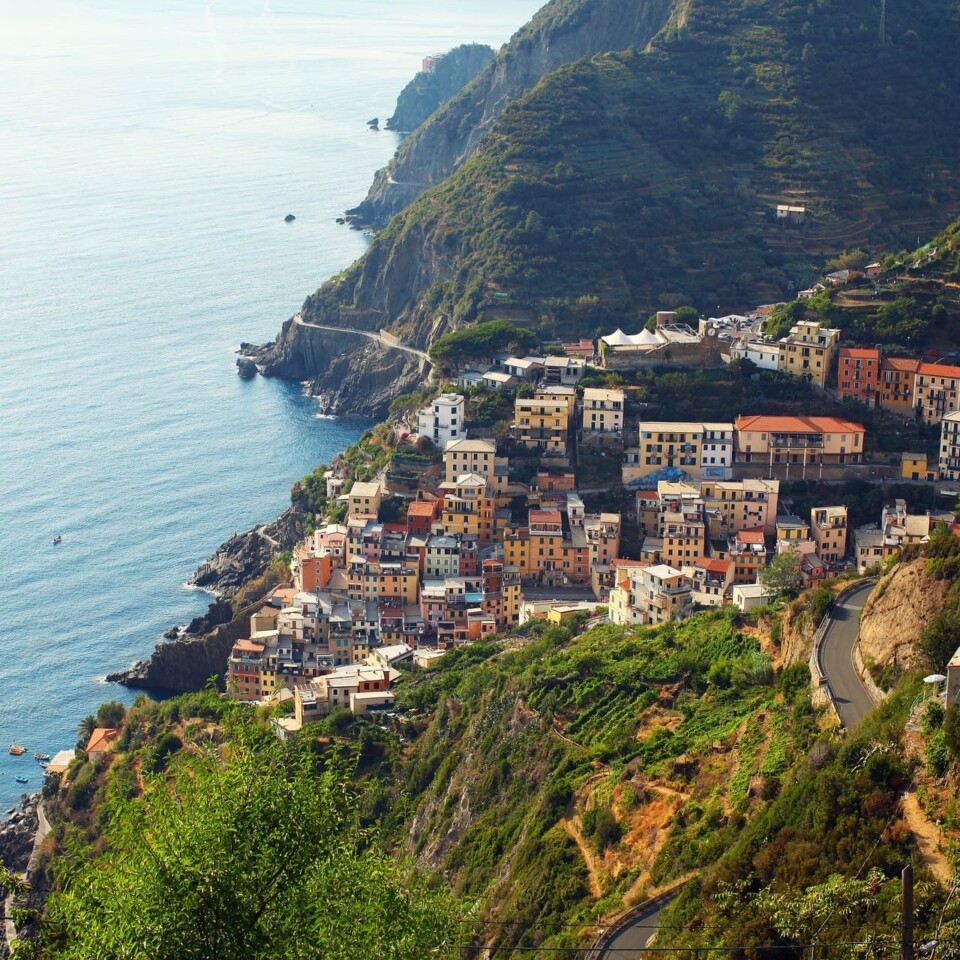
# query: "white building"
{"type": "Point", "coordinates": [950, 447]}
{"type": "Point", "coordinates": [602, 410]}
{"type": "Point", "coordinates": [442, 421]}
{"type": "Point", "coordinates": [765, 355]}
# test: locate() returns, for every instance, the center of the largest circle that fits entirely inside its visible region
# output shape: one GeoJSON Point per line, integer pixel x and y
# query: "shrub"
{"type": "Point", "coordinates": [937, 755]}
{"type": "Point", "coordinates": [932, 717]}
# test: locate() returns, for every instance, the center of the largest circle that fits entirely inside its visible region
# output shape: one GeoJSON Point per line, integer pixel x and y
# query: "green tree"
{"type": "Point", "coordinates": [940, 639]}
{"type": "Point", "coordinates": [260, 856]}
{"type": "Point", "coordinates": [85, 730]}
{"type": "Point", "coordinates": [782, 575]}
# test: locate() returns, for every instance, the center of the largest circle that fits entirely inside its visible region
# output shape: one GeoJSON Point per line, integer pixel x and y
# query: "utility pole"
{"type": "Point", "coordinates": [906, 916]}
{"type": "Point", "coordinates": [883, 23]}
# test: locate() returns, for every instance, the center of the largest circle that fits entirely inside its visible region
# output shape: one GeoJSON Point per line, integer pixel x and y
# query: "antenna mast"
{"type": "Point", "coordinates": [883, 21]}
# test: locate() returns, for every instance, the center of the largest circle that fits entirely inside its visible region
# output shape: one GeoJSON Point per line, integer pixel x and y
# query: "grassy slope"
{"type": "Point", "coordinates": [645, 179]}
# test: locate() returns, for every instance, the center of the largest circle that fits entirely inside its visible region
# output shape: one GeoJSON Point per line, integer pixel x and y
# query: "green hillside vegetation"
{"type": "Point", "coordinates": [643, 180]}
{"type": "Point", "coordinates": [207, 838]}
{"type": "Point", "coordinates": [595, 768]}
{"type": "Point", "coordinates": [914, 307]}
{"type": "Point", "coordinates": [551, 764]}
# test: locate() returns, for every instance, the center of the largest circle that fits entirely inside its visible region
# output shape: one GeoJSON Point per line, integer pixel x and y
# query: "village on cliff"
{"type": "Point", "coordinates": [478, 546]}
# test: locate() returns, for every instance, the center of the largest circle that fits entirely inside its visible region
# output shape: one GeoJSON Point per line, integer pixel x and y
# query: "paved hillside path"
{"type": "Point", "coordinates": [369, 334]}
{"type": "Point", "coordinates": [853, 701]}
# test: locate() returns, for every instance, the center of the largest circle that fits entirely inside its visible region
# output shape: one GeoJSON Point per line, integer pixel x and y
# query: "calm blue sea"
{"type": "Point", "coordinates": [148, 155]}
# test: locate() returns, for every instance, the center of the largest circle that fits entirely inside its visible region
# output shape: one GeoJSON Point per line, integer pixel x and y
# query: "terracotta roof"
{"type": "Point", "coordinates": [544, 516]}
{"type": "Point", "coordinates": [101, 738]}
{"type": "Point", "coordinates": [798, 424]}
{"type": "Point", "coordinates": [713, 566]}
{"type": "Point", "coordinates": [938, 370]}
{"type": "Point", "coordinates": [753, 535]}
{"type": "Point", "coordinates": [420, 509]}
{"type": "Point", "coordinates": [249, 646]}
{"type": "Point", "coordinates": [860, 353]}
{"type": "Point", "coordinates": [900, 363]}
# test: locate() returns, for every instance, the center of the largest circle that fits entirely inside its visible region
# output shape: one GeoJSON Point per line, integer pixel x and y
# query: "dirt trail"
{"type": "Point", "coordinates": [590, 858]}
{"type": "Point", "coordinates": [928, 838]}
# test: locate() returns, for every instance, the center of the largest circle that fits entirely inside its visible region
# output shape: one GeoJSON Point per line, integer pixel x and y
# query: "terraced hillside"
{"type": "Point", "coordinates": [647, 178]}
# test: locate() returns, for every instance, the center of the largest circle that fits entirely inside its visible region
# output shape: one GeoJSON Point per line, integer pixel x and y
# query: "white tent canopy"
{"type": "Point", "coordinates": [642, 339]}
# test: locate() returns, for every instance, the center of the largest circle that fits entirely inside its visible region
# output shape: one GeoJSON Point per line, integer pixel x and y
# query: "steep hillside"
{"type": "Point", "coordinates": [447, 76]}
{"type": "Point", "coordinates": [595, 770]}
{"type": "Point", "coordinates": [563, 31]}
{"type": "Point", "coordinates": [648, 178]}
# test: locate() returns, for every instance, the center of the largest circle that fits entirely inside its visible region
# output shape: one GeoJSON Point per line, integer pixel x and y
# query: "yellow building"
{"type": "Point", "coordinates": [516, 550]}
{"type": "Point", "coordinates": [743, 504]}
{"type": "Point", "coordinates": [365, 499]}
{"type": "Point", "coordinates": [475, 456]}
{"type": "Point", "coordinates": [371, 580]}
{"type": "Point", "coordinates": [808, 351]}
{"type": "Point", "coordinates": [683, 528]}
{"type": "Point", "coordinates": [468, 510]}
{"type": "Point", "coordinates": [914, 466]}
{"type": "Point", "coordinates": [828, 526]}
{"type": "Point", "coordinates": [898, 377]}
{"type": "Point", "coordinates": [542, 423]}
{"type": "Point", "coordinates": [696, 448]}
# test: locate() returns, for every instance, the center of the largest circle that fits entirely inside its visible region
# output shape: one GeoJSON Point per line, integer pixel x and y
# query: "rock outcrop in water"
{"type": "Point", "coordinates": [560, 33]}
{"type": "Point", "coordinates": [429, 89]}
{"type": "Point", "coordinates": [201, 650]}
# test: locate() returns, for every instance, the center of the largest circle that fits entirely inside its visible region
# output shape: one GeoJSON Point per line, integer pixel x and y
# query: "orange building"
{"type": "Point", "coordinates": [897, 382]}
{"type": "Point", "coordinates": [858, 375]}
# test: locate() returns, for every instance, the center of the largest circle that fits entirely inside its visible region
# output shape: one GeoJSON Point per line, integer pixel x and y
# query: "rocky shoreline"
{"type": "Point", "coordinates": [191, 655]}
{"type": "Point", "coordinates": [18, 833]}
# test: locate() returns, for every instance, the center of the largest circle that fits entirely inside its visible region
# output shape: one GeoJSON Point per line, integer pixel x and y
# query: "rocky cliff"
{"type": "Point", "coordinates": [563, 31]}
{"type": "Point", "coordinates": [603, 190]}
{"type": "Point", "coordinates": [886, 633]}
{"type": "Point", "coordinates": [447, 76]}
{"type": "Point", "coordinates": [193, 655]}
{"type": "Point", "coordinates": [186, 664]}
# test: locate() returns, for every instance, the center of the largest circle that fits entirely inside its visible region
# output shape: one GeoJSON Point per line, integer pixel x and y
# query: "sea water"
{"type": "Point", "coordinates": [149, 152]}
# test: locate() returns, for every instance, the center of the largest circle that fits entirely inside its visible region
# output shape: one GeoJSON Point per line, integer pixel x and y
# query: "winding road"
{"type": "Point", "coordinates": [836, 658]}
{"type": "Point", "coordinates": [853, 704]}
{"type": "Point", "coordinates": [636, 935]}
{"type": "Point", "coordinates": [369, 334]}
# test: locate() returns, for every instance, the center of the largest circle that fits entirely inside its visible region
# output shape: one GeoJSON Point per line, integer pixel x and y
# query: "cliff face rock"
{"type": "Point", "coordinates": [897, 613]}
{"type": "Point", "coordinates": [563, 31]}
{"type": "Point", "coordinates": [246, 555]}
{"type": "Point", "coordinates": [200, 651]}
{"type": "Point", "coordinates": [448, 75]}
{"type": "Point", "coordinates": [185, 665]}
{"type": "Point", "coordinates": [350, 372]}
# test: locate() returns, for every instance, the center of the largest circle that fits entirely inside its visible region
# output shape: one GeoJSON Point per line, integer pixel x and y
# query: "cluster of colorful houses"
{"type": "Point", "coordinates": [368, 594]}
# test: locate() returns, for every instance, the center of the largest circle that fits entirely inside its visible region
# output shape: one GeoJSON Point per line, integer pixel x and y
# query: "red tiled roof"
{"type": "Point", "coordinates": [900, 363]}
{"type": "Point", "coordinates": [101, 738]}
{"type": "Point", "coordinates": [798, 425]}
{"type": "Point", "coordinates": [939, 370]}
{"type": "Point", "coordinates": [420, 509]}
{"type": "Point", "coordinates": [249, 646]}
{"type": "Point", "coordinates": [753, 535]}
{"type": "Point", "coordinates": [394, 528]}
{"type": "Point", "coordinates": [713, 566]}
{"type": "Point", "coordinates": [860, 353]}
{"type": "Point", "coordinates": [544, 516]}
{"type": "Point", "coordinates": [648, 495]}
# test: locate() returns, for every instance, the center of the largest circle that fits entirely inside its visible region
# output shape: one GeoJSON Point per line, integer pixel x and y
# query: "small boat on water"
{"type": "Point", "coordinates": [41, 757]}
{"type": "Point", "coordinates": [22, 779]}
{"type": "Point", "coordinates": [58, 539]}
{"type": "Point", "coordinates": [17, 750]}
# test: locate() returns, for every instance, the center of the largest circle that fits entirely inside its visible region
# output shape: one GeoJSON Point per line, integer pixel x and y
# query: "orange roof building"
{"type": "Point", "coordinates": [897, 383]}
{"type": "Point", "coordinates": [858, 374]}
{"type": "Point", "coordinates": [936, 391]}
{"type": "Point", "coordinates": [800, 440]}
{"type": "Point", "coordinates": [101, 740]}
